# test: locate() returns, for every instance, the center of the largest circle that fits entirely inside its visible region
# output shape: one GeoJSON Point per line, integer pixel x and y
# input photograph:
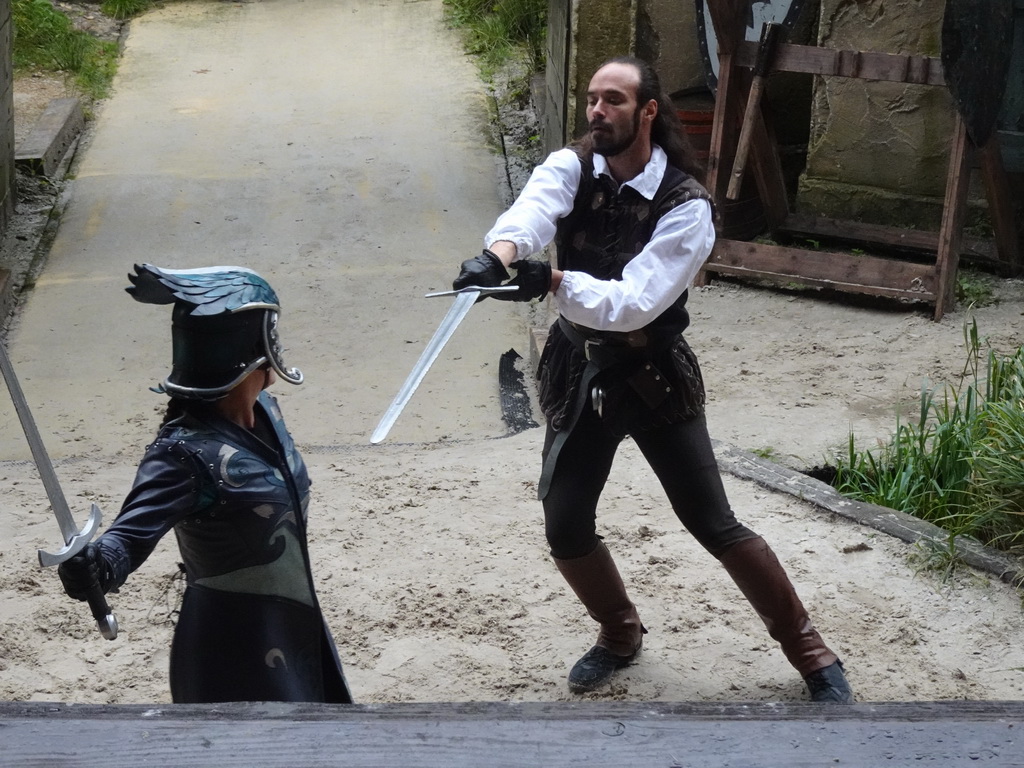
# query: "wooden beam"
{"type": "Point", "coordinates": [1000, 204]}
{"type": "Point", "coordinates": [825, 269]}
{"type": "Point", "coordinates": [975, 250]}
{"type": "Point", "coordinates": [718, 158]}
{"type": "Point", "coordinates": [863, 233]}
{"type": "Point", "coordinates": [771, 183]}
{"type": "Point", "coordinates": [866, 65]}
{"type": "Point", "coordinates": [723, 133]}
{"type": "Point", "coordinates": [729, 19]}
{"type": "Point", "coordinates": [947, 260]}
{"type": "Point", "coordinates": [729, 23]}
{"type": "Point", "coordinates": [596, 734]}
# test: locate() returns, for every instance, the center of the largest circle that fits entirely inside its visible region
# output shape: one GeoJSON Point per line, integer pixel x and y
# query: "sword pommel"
{"type": "Point", "coordinates": [101, 612]}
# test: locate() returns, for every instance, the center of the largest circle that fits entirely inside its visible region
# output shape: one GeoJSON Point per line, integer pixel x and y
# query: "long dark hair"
{"type": "Point", "coordinates": [179, 406]}
{"type": "Point", "coordinates": [667, 130]}
{"type": "Point", "coordinates": [176, 407]}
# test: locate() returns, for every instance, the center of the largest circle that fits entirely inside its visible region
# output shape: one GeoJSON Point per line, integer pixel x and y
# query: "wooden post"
{"type": "Point", "coordinates": [770, 33]}
{"type": "Point", "coordinates": [729, 23]}
{"type": "Point", "coordinates": [950, 233]}
{"type": "Point", "coordinates": [934, 283]}
{"type": "Point", "coordinates": [1000, 207]}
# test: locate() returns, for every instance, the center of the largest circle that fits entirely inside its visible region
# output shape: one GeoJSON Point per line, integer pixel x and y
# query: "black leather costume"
{"type": "Point", "coordinates": [250, 627]}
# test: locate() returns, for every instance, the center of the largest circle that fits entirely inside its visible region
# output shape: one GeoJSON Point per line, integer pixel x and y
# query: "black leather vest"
{"type": "Point", "coordinates": [604, 231]}
{"type": "Point", "coordinates": [609, 226]}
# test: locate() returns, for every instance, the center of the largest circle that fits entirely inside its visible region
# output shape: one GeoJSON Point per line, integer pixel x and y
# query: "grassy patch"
{"type": "Point", "coordinates": [498, 31]}
{"type": "Point", "coordinates": [960, 465]}
{"type": "Point", "coordinates": [937, 557]}
{"type": "Point", "coordinates": [124, 9]}
{"type": "Point", "coordinates": [45, 40]}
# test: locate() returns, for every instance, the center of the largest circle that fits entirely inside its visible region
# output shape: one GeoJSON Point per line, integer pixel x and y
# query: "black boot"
{"type": "Point", "coordinates": [596, 667]}
{"type": "Point", "coordinates": [828, 685]}
{"type": "Point", "coordinates": [597, 583]}
{"type": "Point", "coordinates": [760, 576]}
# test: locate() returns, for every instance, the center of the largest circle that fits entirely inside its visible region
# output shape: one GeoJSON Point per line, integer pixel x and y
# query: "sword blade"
{"type": "Point", "coordinates": [39, 455]}
{"type": "Point", "coordinates": [482, 290]}
{"type": "Point", "coordinates": [74, 539]}
{"type": "Point", "coordinates": [459, 309]}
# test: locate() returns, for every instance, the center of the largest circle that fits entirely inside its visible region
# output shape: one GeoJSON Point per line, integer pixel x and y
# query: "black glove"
{"type": "Point", "coordinates": [485, 270]}
{"type": "Point", "coordinates": [82, 572]}
{"type": "Point", "coordinates": [533, 279]}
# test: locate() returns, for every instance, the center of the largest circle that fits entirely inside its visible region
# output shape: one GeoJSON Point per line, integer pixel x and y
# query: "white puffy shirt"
{"type": "Point", "coordinates": [651, 282]}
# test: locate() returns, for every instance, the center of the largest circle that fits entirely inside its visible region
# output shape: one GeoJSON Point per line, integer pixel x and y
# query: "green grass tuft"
{"type": "Point", "coordinates": [498, 31]}
{"type": "Point", "coordinates": [975, 289]}
{"type": "Point", "coordinates": [960, 465]}
{"type": "Point", "coordinates": [45, 40]}
{"type": "Point", "coordinates": [124, 9]}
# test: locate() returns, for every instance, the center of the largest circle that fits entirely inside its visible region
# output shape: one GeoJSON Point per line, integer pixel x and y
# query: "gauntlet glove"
{"type": "Point", "coordinates": [485, 270]}
{"type": "Point", "coordinates": [82, 572]}
{"type": "Point", "coordinates": [533, 279]}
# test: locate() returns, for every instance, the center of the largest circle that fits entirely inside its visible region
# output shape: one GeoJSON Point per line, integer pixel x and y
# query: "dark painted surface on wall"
{"type": "Point", "coordinates": [1011, 116]}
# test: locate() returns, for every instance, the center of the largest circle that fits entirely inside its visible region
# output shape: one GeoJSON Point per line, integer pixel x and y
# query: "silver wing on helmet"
{"type": "Point", "coordinates": [202, 297]}
{"type": "Point", "coordinates": [212, 290]}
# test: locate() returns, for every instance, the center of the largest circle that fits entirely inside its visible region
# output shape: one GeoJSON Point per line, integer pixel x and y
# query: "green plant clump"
{"type": "Point", "coordinates": [45, 40]}
{"type": "Point", "coordinates": [500, 30]}
{"type": "Point", "coordinates": [974, 289]}
{"type": "Point", "coordinates": [124, 9]}
{"type": "Point", "coordinates": [961, 465]}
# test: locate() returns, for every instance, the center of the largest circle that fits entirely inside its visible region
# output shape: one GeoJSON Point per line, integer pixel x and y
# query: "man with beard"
{"type": "Point", "coordinates": [632, 227]}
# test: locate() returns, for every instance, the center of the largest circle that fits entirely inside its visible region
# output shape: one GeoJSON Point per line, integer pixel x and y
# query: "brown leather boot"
{"type": "Point", "coordinates": [597, 583]}
{"type": "Point", "coordinates": [760, 576]}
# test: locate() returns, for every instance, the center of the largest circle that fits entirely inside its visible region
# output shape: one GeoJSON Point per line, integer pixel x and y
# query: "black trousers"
{"type": "Point", "coordinates": [680, 455]}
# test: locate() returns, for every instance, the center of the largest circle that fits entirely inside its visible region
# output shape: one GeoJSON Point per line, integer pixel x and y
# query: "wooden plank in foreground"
{"type": "Point", "coordinates": [511, 735]}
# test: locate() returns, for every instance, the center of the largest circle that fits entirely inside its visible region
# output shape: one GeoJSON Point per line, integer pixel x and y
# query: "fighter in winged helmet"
{"type": "Point", "coordinates": [225, 474]}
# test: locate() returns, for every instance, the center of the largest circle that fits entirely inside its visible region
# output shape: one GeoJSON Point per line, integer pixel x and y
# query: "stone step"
{"type": "Point", "coordinates": [42, 151]}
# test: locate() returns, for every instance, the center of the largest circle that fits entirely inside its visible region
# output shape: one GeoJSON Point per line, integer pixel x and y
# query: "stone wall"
{"type": "Point", "coordinates": [7, 177]}
{"type": "Point", "coordinates": [878, 152]}
{"type": "Point", "coordinates": [600, 29]}
{"type": "Point", "coordinates": [663, 32]}
{"type": "Point", "coordinates": [667, 38]}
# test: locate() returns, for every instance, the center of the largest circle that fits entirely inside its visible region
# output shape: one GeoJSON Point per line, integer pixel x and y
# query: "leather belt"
{"type": "Point", "coordinates": [602, 349]}
{"type": "Point", "coordinates": [605, 348]}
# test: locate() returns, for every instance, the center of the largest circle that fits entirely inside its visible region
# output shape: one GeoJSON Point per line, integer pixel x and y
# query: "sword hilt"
{"type": "Point", "coordinates": [95, 597]}
{"type": "Point", "coordinates": [101, 612]}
